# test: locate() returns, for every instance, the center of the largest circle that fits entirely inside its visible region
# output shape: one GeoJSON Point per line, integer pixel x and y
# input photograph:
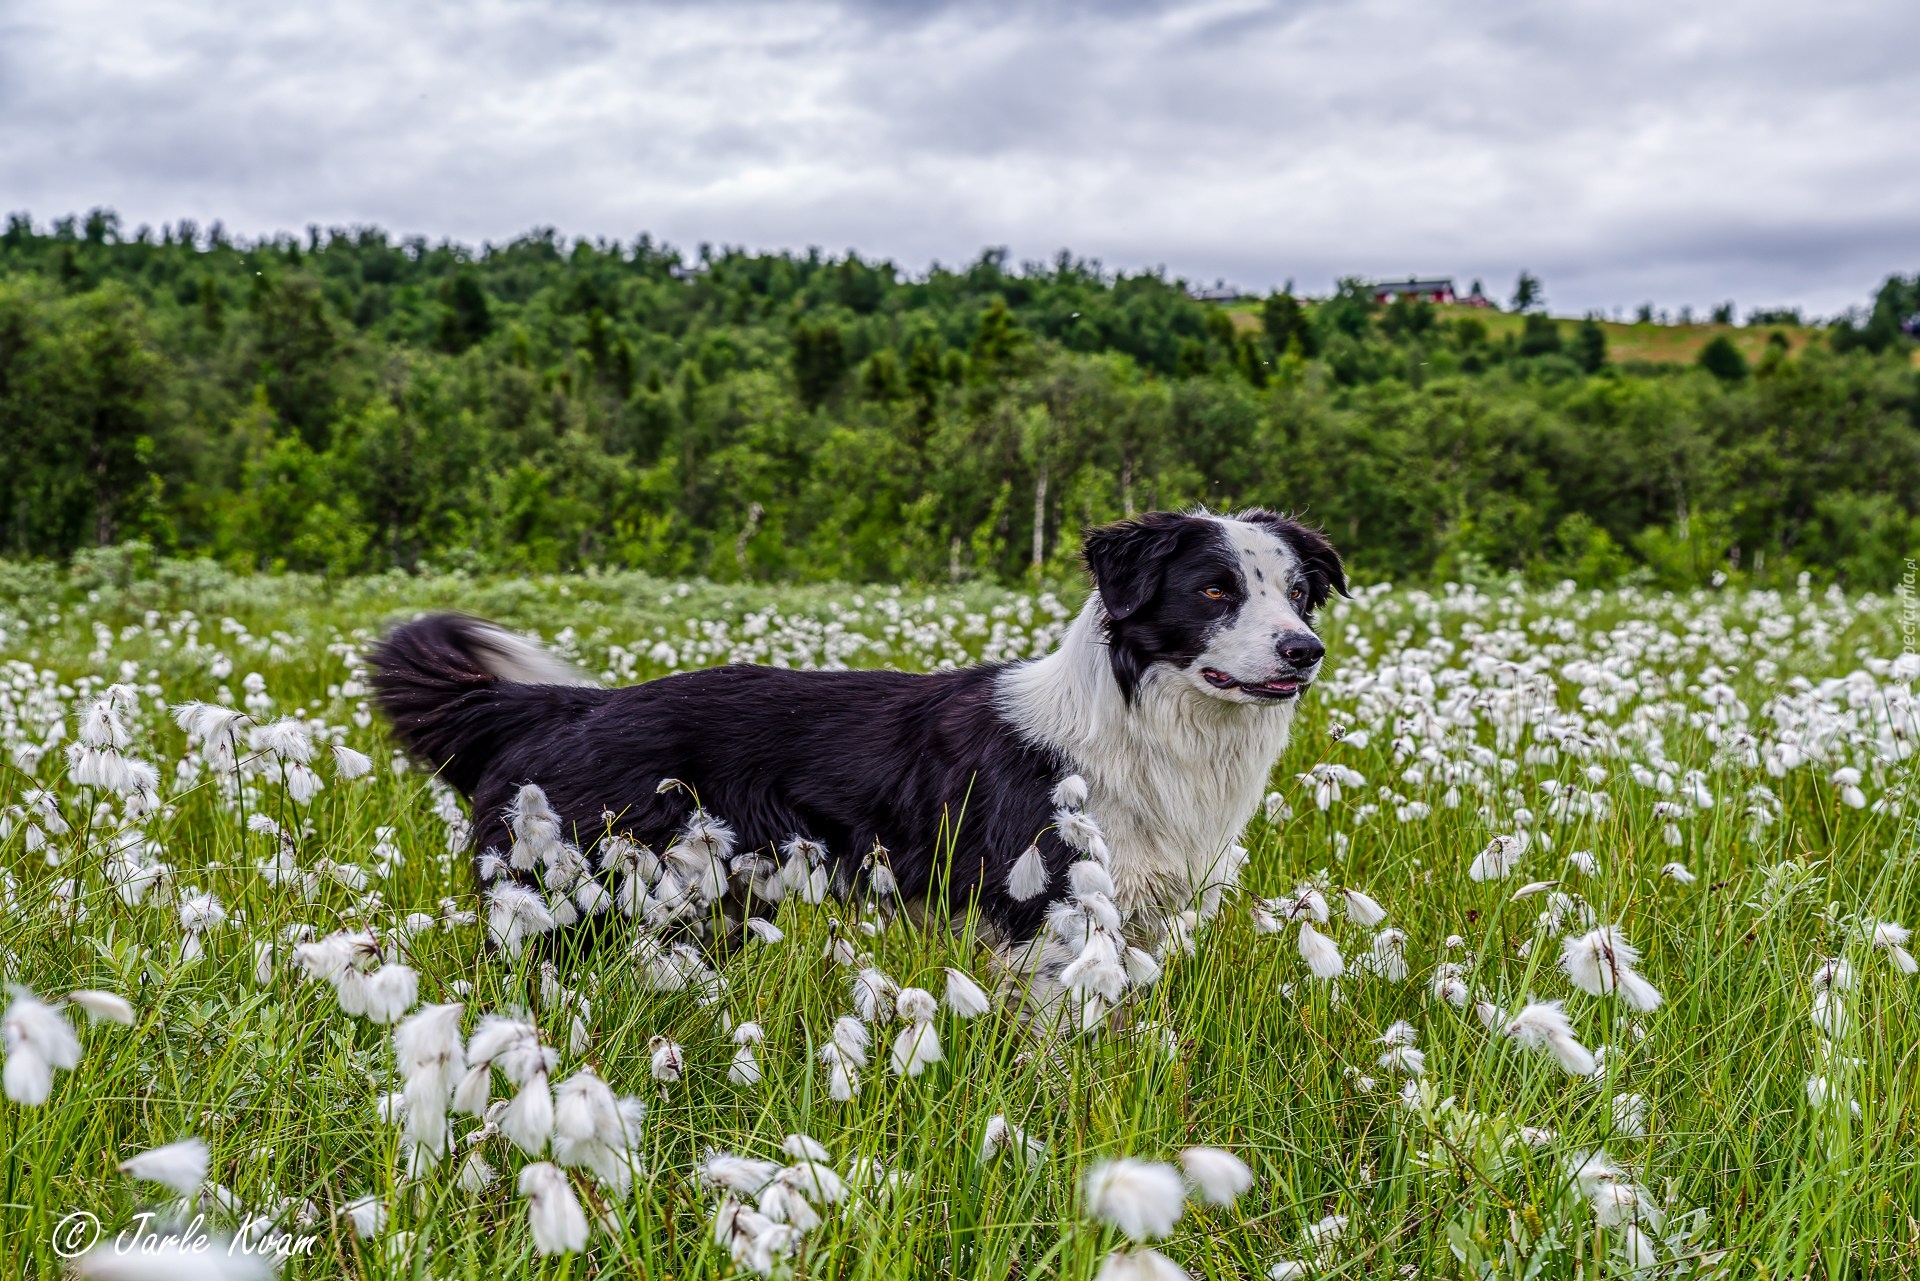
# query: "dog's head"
{"type": "Point", "coordinates": [1223, 602]}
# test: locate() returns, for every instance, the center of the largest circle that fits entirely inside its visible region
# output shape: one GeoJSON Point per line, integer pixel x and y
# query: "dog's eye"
{"type": "Point", "coordinates": [1212, 593]}
{"type": "Point", "coordinates": [1296, 593]}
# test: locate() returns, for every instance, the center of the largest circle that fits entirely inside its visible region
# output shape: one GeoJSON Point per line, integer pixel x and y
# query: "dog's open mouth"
{"type": "Point", "coordinates": [1279, 689]}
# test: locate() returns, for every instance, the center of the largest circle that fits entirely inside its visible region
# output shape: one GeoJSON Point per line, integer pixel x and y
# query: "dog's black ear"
{"type": "Point", "coordinates": [1325, 574]}
{"type": "Point", "coordinates": [1128, 557]}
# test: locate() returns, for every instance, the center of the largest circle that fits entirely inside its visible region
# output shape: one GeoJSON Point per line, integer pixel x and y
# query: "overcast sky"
{"type": "Point", "coordinates": [1678, 152]}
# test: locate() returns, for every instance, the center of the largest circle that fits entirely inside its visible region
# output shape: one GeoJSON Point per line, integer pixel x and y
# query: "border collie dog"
{"type": "Point", "coordinates": [1093, 794]}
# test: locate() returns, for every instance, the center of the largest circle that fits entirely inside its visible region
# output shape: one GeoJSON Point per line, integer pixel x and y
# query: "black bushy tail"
{"type": "Point", "coordinates": [458, 689]}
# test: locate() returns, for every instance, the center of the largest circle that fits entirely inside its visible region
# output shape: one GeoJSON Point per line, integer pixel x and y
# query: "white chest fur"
{"type": "Point", "coordinates": [1172, 779]}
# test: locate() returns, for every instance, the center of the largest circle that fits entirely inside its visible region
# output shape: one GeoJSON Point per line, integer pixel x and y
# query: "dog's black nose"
{"type": "Point", "coordinates": [1301, 649]}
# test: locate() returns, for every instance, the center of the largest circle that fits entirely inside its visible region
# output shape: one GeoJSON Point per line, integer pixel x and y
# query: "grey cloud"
{"type": "Point", "coordinates": [1680, 152]}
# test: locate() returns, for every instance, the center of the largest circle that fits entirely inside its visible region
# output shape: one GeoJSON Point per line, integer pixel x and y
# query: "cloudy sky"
{"type": "Point", "coordinates": [1764, 151]}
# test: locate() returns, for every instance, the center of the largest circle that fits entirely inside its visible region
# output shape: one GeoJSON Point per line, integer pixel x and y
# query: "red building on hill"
{"type": "Point", "coordinates": [1437, 290]}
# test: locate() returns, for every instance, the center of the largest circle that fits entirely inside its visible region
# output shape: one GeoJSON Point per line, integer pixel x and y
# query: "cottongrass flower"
{"type": "Point", "coordinates": [1217, 1176]}
{"type": "Point", "coordinates": [843, 1077]}
{"type": "Point", "coordinates": [1143, 1199]}
{"type": "Point", "coordinates": [1003, 1138]}
{"type": "Point", "coordinates": [514, 915]}
{"type": "Point", "coordinates": [917, 1045]}
{"type": "Point", "coordinates": [512, 1045]}
{"type": "Point", "coordinates": [38, 1040]}
{"type": "Point", "coordinates": [1448, 985]}
{"type": "Point", "coordinates": [103, 1007]}
{"type": "Point", "coordinates": [1847, 779]}
{"type": "Point", "coordinates": [746, 1068]}
{"type": "Point", "coordinates": [431, 1060]}
{"type": "Point", "coordinates": [851, 1038]}
{"type": "Point", "coordinates": [1498, 860]}
{"type": "Point", "coordinates": [1362, 910]}
{"type": "Point", "coordinates": [558, 1223]}
{"type": "Point", "coordinates": [199, 914]}
{"type": "Point", "coordinates": [666, 1060]}
{"type": "Point", "coordinates": [349, 763]}
{"type": "Point", "coordinates": [1387, 956]}
{"type": "Point", "coordinates": [752, 1240]}
{"type": "Point", "coordinates": [1630, 1113]}
{"type": "Point", "coordinates": [873, 995]}
{"type": "Point", "coordinates": [1142, 1263]}
{"type": "Point", "coordinates": [965, 997]}
{"type": "Point", "coordinates": [1543, 1025]}
{"type": "Point", "coordinates": [1678, 873]}
{"type": "Point", "coordinates": [1028, 878]}
{"type": "Point", "coordinates": [596, 1131]}
{"type": "Point", "coordinates": [1891, 938]}
{"type": "Point", "coordinates": [180, 1166]}
{"type": "Point", "coordinates": [1320, 953]}
{"type": "Point", "coordinates": [1404, 1059]}
{"type": "Point", "coordinates": [1601, 961]}
{"type": "Point", "coordinates": [391, 991]}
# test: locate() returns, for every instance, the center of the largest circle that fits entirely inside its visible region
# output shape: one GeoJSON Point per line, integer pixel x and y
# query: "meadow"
{"type": "Point", "coordinates": [1727, 777]}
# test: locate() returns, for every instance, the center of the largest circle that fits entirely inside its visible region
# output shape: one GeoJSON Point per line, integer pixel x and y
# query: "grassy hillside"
{"type": "Point", "coordinates": [1626, 342]}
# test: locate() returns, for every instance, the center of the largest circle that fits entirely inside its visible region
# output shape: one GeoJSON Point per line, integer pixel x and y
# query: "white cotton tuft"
{"type": "Point", "coordinates": [528, 1120]}
{"type": "Point", "coordinates": [1543, 1025]}
{"type": "Point", "coordinates": [1678, 873]}
{"type": "Point", "coordinates": [1142, 1263]}
{"type": "Point", "coordinates": [391, 991]}
{"type": "Point", "coordinates": [431, 1060]}
{"type": "Point", "coordinates": [1637, 1248]}
{"type": "Point", "coordinates": [1070, 792]}
{"type": "Point", "coordinates": [873, 994]}
{"type": "Point", "coordinates": [553, 1212]}
{"type": "Point", "coordinates": [1098, 969]}
{"type": "Point", "coordinates": [667, 1060]}
{"type": "Point", "coordinates": [915, 1005]}
{"type": "Point", "coordinates": [349, 763]}
{"type": "Point", "coordinates": [1029, 877]}
{"type": "Point", "coordinates": [1086, 877]}
{"type": "Point", "coordinates": [515, 914]}
{"type": "Point", "coordinates": [915, 1047]}
{"type": "Point", "coordinates": [38, 1039]}
{"type": "Point", "coordinates": [103, 1007]}
{"type": "Point", "coordinates": [181, 1166]}
{"type": "Point", "coordinates": [1218, 1176]}
{"type": "Point", "coordinates": [1002, 1137]}
{"type": "Point", "coordinates": [843, 1082]}
{"type": "Point", "coordinates": [1498, 860]}
{"type": "Point", "coordinates": [745, 1069]}
{"type": "Point", "coordinates": [1320, 953]}
{"type": "Point", "coordinates": [1143, 970]}
{"type": "Point", "coordinates": [965, 997]}
{"type": "Point", "coordinates": [1143, 1199]}
{"type": "Point", "coordinates": [1362, 910]}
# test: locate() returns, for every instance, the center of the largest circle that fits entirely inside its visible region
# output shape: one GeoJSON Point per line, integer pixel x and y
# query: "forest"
{"type": "Point", "coordinates": [346, 402]}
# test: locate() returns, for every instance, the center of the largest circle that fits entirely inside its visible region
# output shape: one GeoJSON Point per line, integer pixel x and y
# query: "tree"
{"type": "Point", "coordinates": [1723, 360]}
{"type": "Point", "coordinates": [819, 360]}
{"type": "Point", "coordinates": [1590, 345]}
{"type": "Point", "coordinates": [1527, 292]}
{"type": "Point", "coordinates": [1723, 314]}
{"type": "Point", "coordinates": [1285, 323]}
{"type": "Point", "coordinates": [467, 318]}
{"type": "Point", "coordinates": [1540, 336]}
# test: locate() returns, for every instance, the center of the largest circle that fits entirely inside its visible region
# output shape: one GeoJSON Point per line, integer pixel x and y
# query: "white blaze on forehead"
{"type": "Point", "coordinates": [1266, 562]}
